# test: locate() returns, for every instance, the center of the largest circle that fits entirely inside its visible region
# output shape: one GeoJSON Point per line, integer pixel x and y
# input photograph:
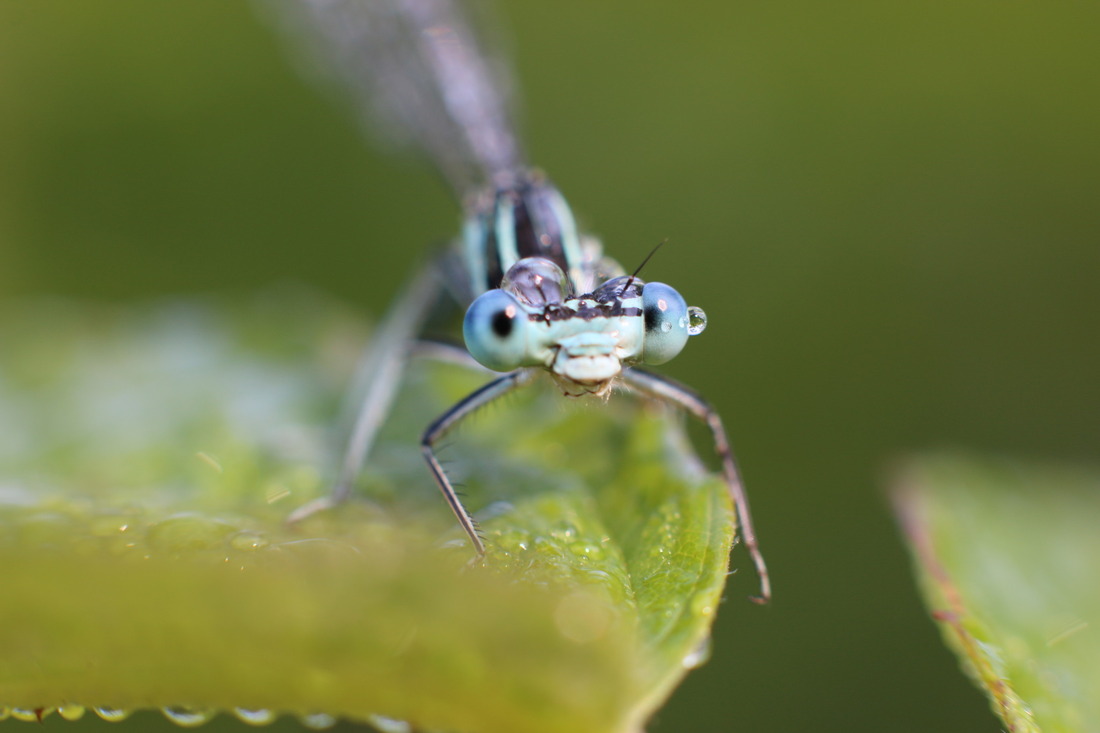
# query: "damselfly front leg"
{"type": "Point", "coordinates": [668, 391]}
{"type": "Point", "coordinates": [494, 390]}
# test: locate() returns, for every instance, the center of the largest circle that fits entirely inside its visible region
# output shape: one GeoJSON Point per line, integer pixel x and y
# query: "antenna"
{"type": "Point", "coordinates": [634, 274]}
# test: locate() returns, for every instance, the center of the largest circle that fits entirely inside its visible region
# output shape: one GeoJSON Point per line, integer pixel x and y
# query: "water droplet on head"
{"type": "Point", "coordinates": [258, 716]}
{"type": "Point", "coordinates": [71, 712]}
{"type": "Point", "coordinates": [187, 717]}
{"type": "Point", "coordinates": [537, 281]}
{"type": "Point", "coordinates": [697, 321]}
{"type": "Point", "coordinates": [112, 715]}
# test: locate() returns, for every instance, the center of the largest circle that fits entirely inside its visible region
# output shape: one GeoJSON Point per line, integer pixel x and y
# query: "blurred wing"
{"type": "Point", "coordinates": [416, 71]}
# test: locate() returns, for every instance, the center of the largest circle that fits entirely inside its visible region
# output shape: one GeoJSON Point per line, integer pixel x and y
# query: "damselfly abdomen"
{"type": "Point", "coordinates": [540, 296]}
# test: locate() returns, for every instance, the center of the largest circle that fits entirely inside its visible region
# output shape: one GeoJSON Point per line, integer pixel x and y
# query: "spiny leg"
{"type": "Point", "coordinates": [675, 393]}
{"type": "Point", "coordinates": [448, 420]}
{"type": "Point", "coordinates": [377, 379]}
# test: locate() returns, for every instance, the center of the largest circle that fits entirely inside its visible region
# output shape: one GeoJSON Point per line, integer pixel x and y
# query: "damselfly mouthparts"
{"type": "Point", "coordinates": [542, 297]}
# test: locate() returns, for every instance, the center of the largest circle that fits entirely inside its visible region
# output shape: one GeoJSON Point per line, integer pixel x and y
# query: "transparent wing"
{"type": "Point", "coordinates": [415, 69]}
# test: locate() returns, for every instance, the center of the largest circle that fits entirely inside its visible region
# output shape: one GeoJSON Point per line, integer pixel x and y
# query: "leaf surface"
{"type": "Point", "coordinates": [1008, 558]}
{"type": "Point", "coordinates": [148, 460]}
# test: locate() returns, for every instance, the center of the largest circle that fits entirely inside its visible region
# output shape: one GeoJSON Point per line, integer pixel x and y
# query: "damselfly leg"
{"type": "Point", "coordinates": [377, 381]}
{"type": "Point", "coordinates": [668, 391]}
{"type": "Point", "coordinates": [490, 392]}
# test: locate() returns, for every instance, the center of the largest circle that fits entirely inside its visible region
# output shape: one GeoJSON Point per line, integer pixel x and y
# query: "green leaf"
{"type": "Point", "coordinates": [1008, 557]}
{"type": "Point", "coordinates": [148, 460]}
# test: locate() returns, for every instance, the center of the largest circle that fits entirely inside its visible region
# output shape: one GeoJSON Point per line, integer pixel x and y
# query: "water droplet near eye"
{"type": "Point", "coordinates": [697, 321]}
{"type": "Point", "coordinates": [112, 715]}
{"type": "Point", "coordinates": [71, 712]}
{"type": "Point", "coordinates": [187, 717]}
{"type": "Point", "coordinates": [30, 715]}
{"type": "Point", "coordinates": [259, 716]}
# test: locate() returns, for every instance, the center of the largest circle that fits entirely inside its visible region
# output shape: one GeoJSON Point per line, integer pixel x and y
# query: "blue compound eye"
{"type": "Point", "coordinates": [495, 331]}
{"type": "Point", "coordinates": [666, 323]}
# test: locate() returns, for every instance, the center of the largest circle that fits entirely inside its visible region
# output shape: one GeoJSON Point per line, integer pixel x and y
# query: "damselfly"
{"type": "Point", "coordinates": [542, 297]}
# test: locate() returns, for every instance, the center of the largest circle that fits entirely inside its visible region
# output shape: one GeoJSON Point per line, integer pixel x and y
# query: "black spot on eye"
{"type": "Point", "coordinates": [502, 323]}
{"type": "Point", "coordinates": [652, 317]}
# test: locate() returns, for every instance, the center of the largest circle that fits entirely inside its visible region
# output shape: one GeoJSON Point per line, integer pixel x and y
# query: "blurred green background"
{"type": "Point", "coordinates": [890, 212]}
